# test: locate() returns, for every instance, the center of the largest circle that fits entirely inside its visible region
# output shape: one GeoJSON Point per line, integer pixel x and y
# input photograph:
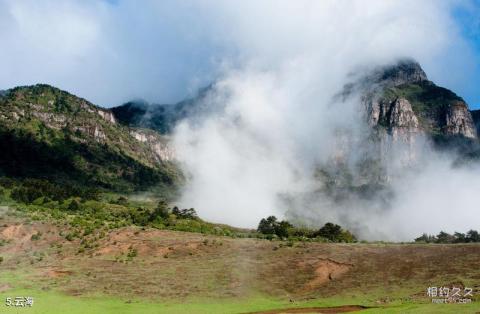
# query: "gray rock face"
{"type": "Point", "coordinates": [159, 144]}
{"type": "Point", "coordinates": [396, 127]}
{"type": "Point", "coordinates": [459, 121]}
{"type": "Point", "coordinates": [403, 121]}
{"type": "Point", "coordinates": [397, 117]}
{"type": "Point", "coordinates": [107, 115]}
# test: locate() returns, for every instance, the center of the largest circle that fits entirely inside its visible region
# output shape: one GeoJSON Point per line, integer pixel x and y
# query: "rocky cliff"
{"type": "Point", "coordinates": [404, 112]}
{"type": "Point", "coordinates": [401, 96]}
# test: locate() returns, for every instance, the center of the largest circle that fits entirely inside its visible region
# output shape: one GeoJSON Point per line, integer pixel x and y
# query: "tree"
{"type": "Point", "coordinates": [444, 237]}
{"type": "Point", "coordinates": [473, 236]}
{"type": "Point", "coordinates": [282, 229]}
{"type": "Point", "coordinates": [185, 213]}
{"type": "Point", "coordinates": [267, 226]}
{"type": "Point", "coordinates": [271, 225]}
{"type": "Point", "coordinates": [161, 211]}
{"type": "Point", "coordinates": [426, 238]}
{"type": "Point", "coordinates": [460, 237]}
{"type": "Point", "coordinates": [330, 231]}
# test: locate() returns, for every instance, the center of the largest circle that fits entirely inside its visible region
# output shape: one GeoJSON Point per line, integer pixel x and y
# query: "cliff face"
{"type": "Point", "coordinates": [159, 144]}
{"type": "Point", "coordinates": [459, 121]}
{"type": "Point", "coordinates": [401, 98]}
{"type": "Point", "coordinates": [403, 110]}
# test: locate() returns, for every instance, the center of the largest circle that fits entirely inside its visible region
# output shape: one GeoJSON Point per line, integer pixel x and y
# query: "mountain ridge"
{"type": "Point", "coordinates": [50, 133]}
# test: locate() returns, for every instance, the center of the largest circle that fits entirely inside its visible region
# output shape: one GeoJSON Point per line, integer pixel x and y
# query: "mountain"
{"type": "Point", "coordinates": [401, 99]}
{"type": "Point", "coordinates": [48, 133]}
{"type": "Point", "coordinates": [405, 112]}
{"type": "Point", "coordinates": [51, 134]}
{"type": "Point", "coordinates": [398, 98]}
{"type": "Point", "coordinates": [161, 117]}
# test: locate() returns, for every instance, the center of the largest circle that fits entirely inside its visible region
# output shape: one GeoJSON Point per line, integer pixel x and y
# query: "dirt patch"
{"type": "Point", "coordinates": [326, 270]}
{"type": "Point", "coordinates": [335, 309]}
{"type": "Point", "coordinates": [4, 287]}
{"type": "Point", "coordinates": [14, 232]}
{"type": "Point", "coordinates": [56, 273]}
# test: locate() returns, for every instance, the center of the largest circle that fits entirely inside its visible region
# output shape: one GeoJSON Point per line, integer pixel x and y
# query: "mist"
{"type": "Point", "coordinates": [277, 119]}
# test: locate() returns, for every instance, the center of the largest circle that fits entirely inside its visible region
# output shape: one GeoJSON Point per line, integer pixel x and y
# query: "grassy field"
{"type": "Point", "coordinates": [145, 270]}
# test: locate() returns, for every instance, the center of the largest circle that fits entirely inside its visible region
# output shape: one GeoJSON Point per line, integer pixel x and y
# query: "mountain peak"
{"type": "Point", "coordinates": [405, 70]}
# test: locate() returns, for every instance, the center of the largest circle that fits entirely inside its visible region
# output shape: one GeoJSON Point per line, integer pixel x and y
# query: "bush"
{"type": "Point", "coordinates": [36, 236]}
{"type": "Point", "coordinates": [185, 213]}
{"type": "Point", "coordinates": [161, 211]}
{"type": "Point", "coordinates": [271, 226]}
{"type": "Point", "coordinates": [121, 201]}
{"type": "Point", "coordinates": [74, 206]}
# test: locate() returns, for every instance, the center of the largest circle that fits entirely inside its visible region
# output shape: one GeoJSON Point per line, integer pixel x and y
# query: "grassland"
{"type": "Point", "coordinates": [135, 269]}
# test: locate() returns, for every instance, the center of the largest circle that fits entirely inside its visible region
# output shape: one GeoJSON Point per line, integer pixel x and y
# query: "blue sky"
{"type": "Point", "coordinates": [468, 18]}
{"type": "Point", "coordinates": [114, 50]}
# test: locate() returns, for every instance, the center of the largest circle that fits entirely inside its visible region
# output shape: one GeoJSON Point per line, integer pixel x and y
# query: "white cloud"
{"type": "Point", "coordinates": [279, 119]}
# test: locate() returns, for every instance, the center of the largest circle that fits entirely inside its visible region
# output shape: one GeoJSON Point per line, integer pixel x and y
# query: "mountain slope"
{"type": "Point", "coordinates": [161, 117]}
{"type": "Point", "coordinates": [49, 133]}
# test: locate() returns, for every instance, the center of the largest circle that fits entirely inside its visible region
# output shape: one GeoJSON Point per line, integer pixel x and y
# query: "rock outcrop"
{"type": "Point", "coordinates": [160, 145]}
{"type": "Point", "coordinates": [401, 99]}
{"type": "Point", "coordinates": [459, 121]}
{"type": "Point", "coordinates": [402, 121]}
{"type": "Point", "coordinates": [405, 71]}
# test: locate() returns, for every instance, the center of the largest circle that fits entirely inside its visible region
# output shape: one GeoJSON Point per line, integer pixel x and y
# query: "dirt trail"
{"type": "Point", "coordinates": [325, 270]}
{"type": "Point", "coordinates": [326, 310]}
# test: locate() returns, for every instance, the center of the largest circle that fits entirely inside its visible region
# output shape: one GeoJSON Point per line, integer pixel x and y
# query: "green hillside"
{"type": "Point", "coordinates": [47, 133]}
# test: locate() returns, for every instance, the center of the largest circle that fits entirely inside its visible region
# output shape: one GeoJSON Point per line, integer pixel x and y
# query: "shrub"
{"type": "Point", "coordinates": [185, 213]}
{"type": "Point", "coordinates": [36, 236]}
{"type": "Point", "coordinates": [122, 201]}
{"type": "Point", "coordinates": [74, 206]}
{"type": "Point", "coordinates": [161, 211]}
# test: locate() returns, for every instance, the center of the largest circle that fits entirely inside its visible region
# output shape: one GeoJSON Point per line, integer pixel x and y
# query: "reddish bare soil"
{"type": "Point", "coordinates": [178, 265]}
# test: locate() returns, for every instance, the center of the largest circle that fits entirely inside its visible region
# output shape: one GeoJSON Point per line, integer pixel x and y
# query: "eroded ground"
{"type": "Point", "coordinates": [165, 265]}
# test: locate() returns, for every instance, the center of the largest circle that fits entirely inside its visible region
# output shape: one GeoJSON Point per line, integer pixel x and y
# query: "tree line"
{"type": "Point", "coordinates": [271, 227]}
{"type": "Point", "coordinates": [471, 236]}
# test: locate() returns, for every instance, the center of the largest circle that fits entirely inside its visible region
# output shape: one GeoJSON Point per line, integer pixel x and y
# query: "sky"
{"type": "Point", "coordinates": [113, 51]}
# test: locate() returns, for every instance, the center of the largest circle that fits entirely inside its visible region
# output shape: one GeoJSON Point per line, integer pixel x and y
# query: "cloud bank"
{"type": "Point", "coordinates": [278, 118]}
